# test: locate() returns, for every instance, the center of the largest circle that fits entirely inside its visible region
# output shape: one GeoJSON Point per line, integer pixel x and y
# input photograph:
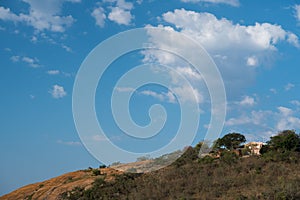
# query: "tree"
{"type": "Point", "coordinates": [286, 140]}
{"type": "Point", "coordinates": [230, 141]}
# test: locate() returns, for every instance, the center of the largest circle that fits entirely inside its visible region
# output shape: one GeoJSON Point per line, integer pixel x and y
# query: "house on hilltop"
{"type": "Point", "coordinates": [254, 147]}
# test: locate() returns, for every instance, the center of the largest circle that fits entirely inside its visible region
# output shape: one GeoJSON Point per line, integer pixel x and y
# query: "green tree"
{"type": "Point", "coordinates": [286, 140]}
{"type": "Point", "coordinates": [230, 141]}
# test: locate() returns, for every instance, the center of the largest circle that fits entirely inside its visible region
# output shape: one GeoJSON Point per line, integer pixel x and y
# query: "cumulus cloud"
{"type": "Point", "coordinates": [67, 48]}
{"type": "Point", "coordinates": [295, 102]}
{"type": "Point", "coordinates": [220, 34]}
{"type": "Point", "coordinates": [120, 12]}
{"type": "Point", "coordinates": [247, 101]}
{"type": "Point", "coordinates": [99, 15]}
{"type": "Point", "coordinates": [234, 47]}
{"type": "Point", "coordinates": [229, 2]}
{"type": "Point", "coordinates": [287, 120]}
{"type": "Point", "coordinates": [120, 16]}
{"type": "Point", "coordinates": [255, 118]}
{"type": "Point", "coordinates": [164, 96]}
{"type": "Point", "coordinates": [187, 94]}
{"type": "Point", "coordinates": [6, 14]}
{"type": "Point", "coordinates": [32, 62]}
{"type": "Point", "coordinates": [42, 15]}
{"type": "Point", "coordinates": [189, 73]}
{"type": "Point", "coordinates": [238, 121]}
{"type": "Point", "coordinates": [53, 72]}
{"type": "Point", "coordinates": [15, 58]}
{"type": "Point", "coordinates": [58, 92]}
{"type": "Point", "coordinates": [267, 121]}
{"type": "Point", "coordinates": [289, 86]}
{"type": "Point", "coordinates": [252, 61]}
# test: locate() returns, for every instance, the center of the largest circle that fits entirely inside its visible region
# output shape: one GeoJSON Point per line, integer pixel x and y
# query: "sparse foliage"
{"type": "Point", "coordinates": [210, 178]}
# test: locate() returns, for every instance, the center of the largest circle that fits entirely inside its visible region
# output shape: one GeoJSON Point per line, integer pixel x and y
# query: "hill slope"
{"type": "Point", "coordinates": [51, 189]}
{"type": "Point", "coordinates": [229, 177]}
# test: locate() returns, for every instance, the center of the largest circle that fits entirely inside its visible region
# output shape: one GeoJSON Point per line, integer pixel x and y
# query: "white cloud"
{"type": "Point", "coordinates": [67, 48]}
{"type": "Point", "coordinates": [257, 118]}
{"type": "Point", "coordinates": [238, 121]}
{"type": "Point", "coordinates": [267, 121]}
{"type": "Point", "coordinates": [189, 73]}
{"type": "Point", "coordinates": [252, 61]}
{"type": "Point", "coordinates": [33, 39]}
{"type": "Point", "coordinates": [221, 34]}
{"type": "Point", "coordinates": [164, 96]}
{"type": "Point", "coordinates": [32, 62]}
{"type": "Point", "coordinates": [99, 15]}
{"type": "Point", "coordinates": [229, 2]}
{"type": "Point", "coordinates": [6, 14]}
{"type": "Point", "coordinates": [124, 89]}
{"type": "Point", "coordinates": [158, 56]}
{"type": "Point", "coordinates": [69, 143]}
{"type": "Point", "coordinates": [297, 10]}
{"type": "Point", "coordinates": [53, 72]}
{"type": "Point", "coordinates": [42, 15]}
{"type": "Point", "coordinates": [156, 95]}
{"type": "Point", "coordinates": [15, 58]}
{"type": "Point", "coordinates": [287, 120]}
{"type": "Point", "coordinates": [295, 102]}
{"type": "Point", "coordinates": [293, 39]}
{"type": "Point", "coordinates": [188, 94]}
{"type": "Point", "coordinates": [247, 101]}
{"type": "Point", "coordinates": [229, 43]}
{"type": "Point", "coordinates": [57, 92]}
{"type": "Point", "coordinates": [178, 72]}
{"type": "Point", "coordinates": [285, 111]}
{"type": "Point", "coordinates": [120, 12]}
{"type": "Point", "coordinates": [120, 16]}
{"type": "Point", "coordinates": [124, 5]}
{"type": "Point", "coordinates": [185, 93]}
{"type": "Point", "coordinates": [289, 86]}
{"type": "Point", "coordinates": [170, 97]}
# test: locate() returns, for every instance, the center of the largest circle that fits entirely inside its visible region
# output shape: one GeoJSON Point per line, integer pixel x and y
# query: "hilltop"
{"type": "Point", "coordinates": [272, 175]}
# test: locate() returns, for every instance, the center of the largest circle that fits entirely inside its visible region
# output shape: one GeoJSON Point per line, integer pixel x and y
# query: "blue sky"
{"type": "Point", "coordinates": [255, 45]}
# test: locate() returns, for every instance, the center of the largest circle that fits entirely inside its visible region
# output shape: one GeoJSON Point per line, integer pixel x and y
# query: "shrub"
{"type": "Point", "coordinates": [206, 159]}
{"type": "Point", "coordinates": [229, 157]}
{"type": "Point", "coordinates": [96, 172]}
